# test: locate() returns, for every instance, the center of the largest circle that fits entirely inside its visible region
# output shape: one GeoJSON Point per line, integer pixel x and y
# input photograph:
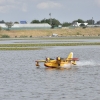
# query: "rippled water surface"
{"type": "Point", "coordinates": [21, 80]}
{"type": "Point", "coordinates": [48, 40]}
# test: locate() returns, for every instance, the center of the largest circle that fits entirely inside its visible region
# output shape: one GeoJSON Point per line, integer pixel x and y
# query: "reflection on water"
{"type": "Point", "coordinates": [21, 80]}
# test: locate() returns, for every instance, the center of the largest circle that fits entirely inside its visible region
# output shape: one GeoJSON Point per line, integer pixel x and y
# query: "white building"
{"type": "Point", "coordinates": [78, 24]}
{"type": "Point", "coordinates": [28, 26]}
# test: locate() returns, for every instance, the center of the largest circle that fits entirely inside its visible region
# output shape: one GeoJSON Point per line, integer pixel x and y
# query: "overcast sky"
{"type": "Point", "coordinates": [62, 10]}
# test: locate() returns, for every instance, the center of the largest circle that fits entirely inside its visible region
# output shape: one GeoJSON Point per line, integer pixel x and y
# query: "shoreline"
{"type": "Point", "coordinates": [41, 46]}
{"type": "Point", "coordinates": [69, 35]}
{"type": "Point", "coordinates": [76, 32]}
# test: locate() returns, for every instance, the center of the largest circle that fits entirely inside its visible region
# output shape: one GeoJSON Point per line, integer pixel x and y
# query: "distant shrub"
{"type": "Point", "coordinates": [23, 36]}
{"type": "Point", "coordinates": [0, 28]}
{"type": "Point", "coordinates": [84, 27]}
{"type": "Point", "coordinates": [98, 34]}
{"type": "Point", "coordinates": [5, 36]}
{"type": "Point", "coordinates": [9, 25]}
{"type": "Point", "coordinates": [78, 33]}
{"type": "Point", "coordinates": [30, 36]}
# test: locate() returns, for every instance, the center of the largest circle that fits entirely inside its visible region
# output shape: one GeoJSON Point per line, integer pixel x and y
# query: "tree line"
{"type": "Point", "coordinates": [55, 23]}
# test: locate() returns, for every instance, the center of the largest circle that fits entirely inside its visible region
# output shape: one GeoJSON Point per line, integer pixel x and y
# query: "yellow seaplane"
{"type": "Point", "coordinates": [58, 62]}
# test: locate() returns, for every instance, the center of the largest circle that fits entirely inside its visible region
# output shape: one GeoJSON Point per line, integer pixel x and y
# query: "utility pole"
{"type": "Point", "coordinates": [92, 20]}
{"type": "Point", "coordinates": [50, 19]}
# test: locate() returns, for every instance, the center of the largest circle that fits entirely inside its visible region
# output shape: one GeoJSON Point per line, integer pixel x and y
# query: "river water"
{"type": "Point", "coordinates": [20, 79]}
{"type": "Point", "coordinates": [47, 40]}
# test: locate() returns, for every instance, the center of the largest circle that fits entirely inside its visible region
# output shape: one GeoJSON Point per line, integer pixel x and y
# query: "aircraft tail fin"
{"type": "Point", "coordinates": [71, 60]}
{"type": "Point", "coordinates": [70, 56]}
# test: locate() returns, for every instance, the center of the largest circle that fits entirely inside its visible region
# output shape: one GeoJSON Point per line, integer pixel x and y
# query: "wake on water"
{"type": "Point", "coordinates": [67, 66]}
{"type": "Point", "coordinates": [83, 63]}
{"type": "Point", "coordinates": [86, 63]}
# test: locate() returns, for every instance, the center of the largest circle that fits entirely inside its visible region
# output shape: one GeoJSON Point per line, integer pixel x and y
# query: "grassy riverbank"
{"type": "Point", "coordinates": [40, 46]}
{"type": "Point", "coordinates": [63, 35]}
{"type": "Point", "coordinates": [48, 32]}
{"type": "Point", "coordinates": [46, 44]}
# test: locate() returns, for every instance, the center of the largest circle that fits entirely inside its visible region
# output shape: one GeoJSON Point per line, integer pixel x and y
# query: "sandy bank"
{"type": "Point", "coordinates": [48, 32]}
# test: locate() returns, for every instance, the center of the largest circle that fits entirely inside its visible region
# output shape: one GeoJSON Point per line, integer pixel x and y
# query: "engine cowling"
{"type": "Point", "coordinates": [47, 59]}
{"type": "Point", "coordinates": [58, 58]}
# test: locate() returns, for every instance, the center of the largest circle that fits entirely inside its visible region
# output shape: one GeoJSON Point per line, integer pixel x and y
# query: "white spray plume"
{"type": "Point", "coordinates": [85, 63]}
{"type": "Point", "coordinates": [67, 66]}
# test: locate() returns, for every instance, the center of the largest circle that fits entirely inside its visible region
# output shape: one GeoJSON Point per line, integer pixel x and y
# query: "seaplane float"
{"type": "Point", "coordinates": [59, 62]}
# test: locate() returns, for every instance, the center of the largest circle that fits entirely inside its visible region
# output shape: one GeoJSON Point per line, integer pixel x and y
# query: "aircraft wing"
{"type": "Point", "coordinates": [40, 61]}
{"type": "Point", "coordinates": [37, 62]}
{"type": "Point", "coordinates": [72, 59]}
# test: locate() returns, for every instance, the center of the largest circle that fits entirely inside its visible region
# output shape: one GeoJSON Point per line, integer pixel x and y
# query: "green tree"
{"type": "Point", "coordinates": [9, 25]}
{"type": "Point", "coordinates": [79, 21]}
{"type": "Point", "coordinates": [47, 21]}
{"type": "Point", "coordinates": [55, 23]}
{"type": "Point", "coordinates": [43, 21]}
{"type": "Point", "coordinates": [66, 24]}
{"type": "Point", "coordinates": [35, 21]}
{"type": "Point", "coordinates": [98, 22]}
{"type": "Point", "coordinates": [90, 22]}
{"type": "Point", "coordinates": [16, 22]}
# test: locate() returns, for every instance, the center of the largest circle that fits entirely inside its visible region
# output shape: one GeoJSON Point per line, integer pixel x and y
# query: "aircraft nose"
{"type": "Point", "coordinates": [45, 64]}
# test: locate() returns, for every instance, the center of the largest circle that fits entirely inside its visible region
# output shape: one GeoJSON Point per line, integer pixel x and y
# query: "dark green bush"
{"type": "Point", "coordinates": [5, 36]}
{"type": "Point", "coordinates": [30, 36]}
{"type": "Point", "coordinates": [23, 36]}
{"type": "Point", "coordinates": [0, 28]}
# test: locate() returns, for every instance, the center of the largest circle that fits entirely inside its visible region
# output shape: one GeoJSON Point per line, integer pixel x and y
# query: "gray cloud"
{"type": "Point", "coordinates": [24, 7]}
{"type": "Point", "coordinates": [8, 5]}
{"type": "Point", "coordinates": [63, 10]}
{"type": "Point", "coordinates": [48, 4]}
